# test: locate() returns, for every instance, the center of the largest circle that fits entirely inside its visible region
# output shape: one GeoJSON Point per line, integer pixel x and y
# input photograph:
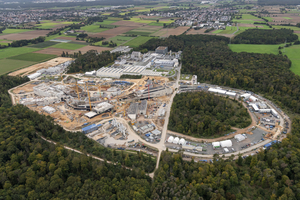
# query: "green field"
{"type": "Point", "coordinates": [269, 18]}
{"type": "Point", "coordinates": [94, 29]}
{"type": "Point", "coordinates": [137, 41]}
{"type": "Point", "coordinates": [118, 39]}
{"type": "Point", "coordinates": [106, 22]}
{"type": "Point", "coordinates": [49, 25]}
{"type": "Point", "coordinates": [218, 31]}
{"type": "Point", "coordinates": [70, 46]}
{"type": "Point", "coordinates": [295, 28]}
{"type": "Point", "coordinates": [287, 18]}
{"type": "Point", "coordinates": [43, 44]}
{"type": "Point", "coordinates": [143, 33]}
{"type": "Point", "coordinates": [10, 31]}
{"type": "Point", "coordinates": [14, 51]}
{"type": "Point", "coordinates": [8, 65]}
{"type": "Point", "coordinates": [138, 20]}
{"type": "Point", "coordinates": [33, 57]}
{"type": "Point", "coordinates": [292, 52]}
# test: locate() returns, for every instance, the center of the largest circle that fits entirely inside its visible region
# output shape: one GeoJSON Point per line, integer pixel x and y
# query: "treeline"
{"type": "Point", "coordinates": [261, 36]}
{"type": "Point", "coordinates": [92, 60]}
{"type": "Point", "coordinates": [21, 43]}
{"type": "Point", "coordinates": [6, 83]}
{"type": "Point", "coordinates": [127, 76]}
{"type": "Point", "coordinates": [31, 168]}
{"type": "Point", "coordinates": [278, 2]}
{"type": "Point", "coordinates": [210, 58]}
{"type": "Point", "coordinates": [201, 114]}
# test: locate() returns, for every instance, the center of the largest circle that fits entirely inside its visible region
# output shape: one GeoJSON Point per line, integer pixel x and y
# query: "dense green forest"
{"type": "Point", "coordinates": [90, 61]}
{"type": "Point", "coordinates": [261, 36]}
{"type": "Point", "coordinates": [31, 168]}
{"type": "Point", "coordinates": [201, 114]}
{"type": "Point", "coordinates": [210, 58]}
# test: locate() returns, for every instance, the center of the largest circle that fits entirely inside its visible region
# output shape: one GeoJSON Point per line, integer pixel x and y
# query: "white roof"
{"type": "Point", "coordinates": [239, 137]}
{"type": "Point", "coordinates": [254, 106]}
{"type": "Point", "coordinates": [253, 98]}
{"type": "Point", "coordinates": [226, 143]}
{"type": "Point", "coordinates": [181, 141]}
{"type": "Point", "coordinates": [216, 144]}
{"type": "Point", "coordinates": [176, 140]}
{"type": "Point", "coordinates": [226, 150]}
{"type": "Point", "coordinates": [217, 90]}
{"type": "Point", "coordinates": [231, 93]}
{"type": "Point", "coordinates": [156, 132]}
{"type": "Point", "coordinates": [171, 138]}
{"type": "Point", "coordinates": [90, 114]}
{"type": "Point", "coordinates": [246, 95]}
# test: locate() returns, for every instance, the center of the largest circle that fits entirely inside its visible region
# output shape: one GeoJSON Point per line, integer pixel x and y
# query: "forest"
{"type": "Point", "coordinates": [202, 114]}
{"type": "Point", "coordinates": [92, 60]}
{"type": "Point", "coordinates": [261, 36]}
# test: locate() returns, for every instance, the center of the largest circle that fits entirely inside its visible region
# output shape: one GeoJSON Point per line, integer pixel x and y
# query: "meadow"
{"type": "Point", "coordinates": [33, 57]}
{"type": "Point", "coordinates": [43, 44]}
{"type": "Point", "coordinates": [70, 46]}
{"type": "Point", "coordinates": [119, 40]}
{"type": "Point", "coordinates": [14, 51]}
{"type": "Point", "coordinates": [292, 52]}
{"type": "Point", "coordinates": [137, 41]}
{"type": "Point", "coordinates": [94, 28]}
{"type": "Point", "coordinates": [8, 65]}
{"type": "Point", "coordinates": [10, 31]}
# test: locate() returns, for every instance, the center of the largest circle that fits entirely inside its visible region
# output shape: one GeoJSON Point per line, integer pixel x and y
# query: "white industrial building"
{"type": "Point", "coordinates": [170, 139]}
{"type": "Point", "coordinates": [40, 101]}
{"type": "Point", "coordinates": [34, 76]}
{"type": "Point", "coordinates": [176, 140]}
{"type": "Point", "coordinates": [137, 108]}
{"type": "Point", "coordinates": [147, 128]}
{"type": "Point", "coordinates": [121, 49]}
{"type": "Point", "coordinates": [216, 144]}
{"type": "Point", "coordinates": [226, 143]}
{"type": "Point", "coordinates": [253, 98]}
{"type": "Point", "coordinates": [239, 137]}
{"type": "Point", "coordinates": [223, 92]}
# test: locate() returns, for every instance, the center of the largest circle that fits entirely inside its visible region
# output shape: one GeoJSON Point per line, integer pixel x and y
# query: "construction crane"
{"type": "Point", "coordinates": [88, 96]}
{"type": "Point", "coordinates": [77, 90]}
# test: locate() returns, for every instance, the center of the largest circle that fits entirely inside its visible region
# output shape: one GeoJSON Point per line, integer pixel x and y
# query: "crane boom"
{"type": "Point", "coordinates": [77, 90]}
{"type": "Point", "coordinates": [88, 96]}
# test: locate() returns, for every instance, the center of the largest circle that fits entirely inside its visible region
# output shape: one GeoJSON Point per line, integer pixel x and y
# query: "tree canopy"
{"type": "Point", "coordinates": [261, 36]}
{"type": "Point", "coordinates": [204, 114]}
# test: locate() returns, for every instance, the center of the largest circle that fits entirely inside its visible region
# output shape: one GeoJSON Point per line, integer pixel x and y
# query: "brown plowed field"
{"type": "Point", "coordinates": [127, 23]}
{"type": "Point", "coordinates": [171, 31]}
{"type": "Point", "coordinates": [26, 35]}
{"type": "Point", "coordinates": [114, 32]}
{"type": "Point", "coordinates": [58, 52]}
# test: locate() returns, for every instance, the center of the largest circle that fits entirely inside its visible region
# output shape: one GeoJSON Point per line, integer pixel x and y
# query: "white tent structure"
{"type": "Point", "coordinates": [239, 137]}
{"type": "Point", "coordinates": [226, 143]}
{"type": "Point", "coordinates": [170, 139]}
{"type": "Point", "coordinates": [253, 98]}
{"type": "Point", "coordinates": [216, 144]}
{"type": "Point", "coordinates": [246, 95]}
{"type": "Point", "coordinates": [226, 150]}
{"type": "Point", "coordinates": [182, 141]}
{"type": "Point", "coordinates": [176, 140]}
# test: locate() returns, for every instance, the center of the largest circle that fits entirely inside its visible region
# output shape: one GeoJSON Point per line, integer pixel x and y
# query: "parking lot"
{"type": "Point", "coordinates": [207, 148]}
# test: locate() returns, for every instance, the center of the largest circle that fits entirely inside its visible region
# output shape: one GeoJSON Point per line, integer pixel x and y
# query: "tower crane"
{"type": "Point", "coordinates": [88, 96]}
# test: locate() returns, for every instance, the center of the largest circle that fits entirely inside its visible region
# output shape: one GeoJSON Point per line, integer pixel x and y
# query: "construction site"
{"type": "Point", "coordinates": [76, 103]}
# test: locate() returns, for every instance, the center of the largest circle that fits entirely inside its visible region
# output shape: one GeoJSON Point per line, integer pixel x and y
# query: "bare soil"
{"type": "Point", "coordinates": [33, 68]}
{"type": "Point", "coordinates": [167, 32]}
{"type": "Point", "coordinates": [25, 35]}
{"type": "Point", "coordinates": [114, 32]}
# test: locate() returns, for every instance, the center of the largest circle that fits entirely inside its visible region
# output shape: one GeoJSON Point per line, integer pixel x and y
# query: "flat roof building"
{"type": "Point", "coordinates": [161, 50]}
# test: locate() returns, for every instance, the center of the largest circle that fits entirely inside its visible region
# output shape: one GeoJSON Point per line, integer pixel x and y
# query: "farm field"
{"type": "Point", "coordinates": [170, 31]}
{"type": "Point", "coordinates": [33, 57]}
{"type": "Point", "coordinates": [293, 53]}
{"type": "Point", "coordinates": [43, 44]}
{"type": "Point", "coordinates": [137, 41]}
{"type": "Point", "coordinates": [10, 31]}
{"type": "Point", "coordinates": [287, 18]}
{"type": "Point", "coordinates": [94, 28]}
{"type": "Point", "coordinates": [47, 24]}
{"type": "Point", "coordinates": [119, 40]}
{"type": "Point", "coordinates": [70, 46]}
{"type": "Point", "coordinates": [14, 51]}
{"type": "Point", "coordinates": [30, 34]}
{"type": "Point", "coordinates": [106, 22]}
{"type": "Point", "coordinates": [8, 65]}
